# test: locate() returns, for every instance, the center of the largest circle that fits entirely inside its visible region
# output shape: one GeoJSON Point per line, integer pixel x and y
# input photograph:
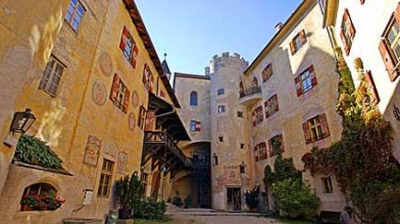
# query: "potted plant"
{"type": "Point", "coordinates": [188, 201]}
{"type": "Point", "coordinates": [126, 189]}
{"type": "Point", "coordinates": [43, 202]}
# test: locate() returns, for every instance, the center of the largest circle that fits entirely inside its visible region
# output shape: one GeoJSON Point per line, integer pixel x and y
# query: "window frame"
{"type": "Point", "coordinates": [272, 151]}
{"type": "Point", "coordinates": [347, 32]}
{"type": "Point", "coordinates": [71, 17]}
{"type": "Point", "coordinates": [50, 81]}
{"type": "Point", "coordinates": [327, 186]}
{"type": "Point", "coordinates": [193, 101]}
{"type": "Point", "coordinates": [308, 77]}
{"type": "Point", "coordinates": [119, 94]}
{"type": "Point", "coordinates": [271, 106]}
{"type": "Point", "coordinates": [298, 42]}
{"type": "Point", "coordinates": [128, 47]}
{"type": "Point", "coordinates": [257, 115]}
{"type": "Point", "coordinates": [221, 109]}
{"type": "Point", "coordinates": [316, 128]}
{"type": "Point", "coordinates": [40, 189]}
{"type": "Point", "coordinates": [267, 72]}
{"type": "Point", "coordinates": [240, 114]}
{"type": "Point", "coordinates": [104, 186]}
{"type": "Point", "coordinates": [220, 91]}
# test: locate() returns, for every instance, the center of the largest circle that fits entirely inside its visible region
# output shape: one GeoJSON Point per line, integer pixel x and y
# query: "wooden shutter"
{"type": "Point", "coordinates": [276, 105]}
{"type": "Point", "coordinates": [297, 82]}
{"type": "Point", "coordinates": [362, 1]}
{"type": "Point", "coordinates": [388, 60]}
{"type": "Point", "coordinates": [124, 36]}
{"type": "Point", "coordinates": [198, 126]}
{"type": "Point", "coordinates": [266, 104]}
{"type": "Point", "coordinates": [371, 83]}
{"type": "Point", "coordinates": [135, 51]}
{"type": "Point", "coordinates": [281, 141]}
{"type": "Point", "coordinates": [302, 36]}
{"type": "Point", "coordinates": [254, 117]}
{"type": "Point", "coordinates": [312, 76]}
{"type": "Point", "coordinates": [306, 131]}
{"type": "Point", "coordinates": [292, 47]}
{"type": "Point", "coordinates": [397, 14]}
{"type": "Point", "coordinates": [324, 125]}
{"type": "Point", "coordinates": [346, 48]}
{"type": "Point", "coordinates": [126, 101]}
{"type": "Point", "coordinates": [114, 88]}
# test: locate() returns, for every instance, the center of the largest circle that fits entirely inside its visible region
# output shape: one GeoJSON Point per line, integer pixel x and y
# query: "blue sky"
{"type": "Point", "coordinates": [192, 31]}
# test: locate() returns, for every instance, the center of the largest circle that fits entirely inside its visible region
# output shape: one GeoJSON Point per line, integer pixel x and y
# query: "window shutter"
{"type": "Point", "coordinates": [276, 105]}
{"type": "Point", "coordinates": [374, 92]}
{"type": "Point", "coordinates": [324, 125]}
{"type": "Point", "coordinates": [346, 48]}
{"type": "Point", "coordinates": [266, 104]}
{"type": "Point", "coordinates": [397, 14]}
{"type": "Point", "coordinates": [114, 88]}
{"type": "Point", "coordinates": [270, 148]}
{"type": "Point", "coordinates": [126, 101]}
{"type": "Point", "coordinates": [125, 35]}
{"type": "Point", "coordinates": [302, 36]}
{"type": "Point", "coordinates": [254, 118]}
{"type": "Point", "coordinates": [134, 55]}
{"type": "Point", "coordinates": [387, 59]}
{"type": "Point", "coordinates": [312, 75]}
{"type": "Point", "coordinates": [281, 141]}
{"type": "Point", "coordinates": [198, 126]}
{"type": "Point", "coordinates": [292, 48]}
{"type": "Point", "coordinates": [306, 131]}
{"type": "Point", "coordinates": [297, 82]}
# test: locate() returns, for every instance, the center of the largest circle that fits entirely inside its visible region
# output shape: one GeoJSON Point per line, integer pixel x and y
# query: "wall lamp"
{"type": "Point", "coordinates": [22, 121]}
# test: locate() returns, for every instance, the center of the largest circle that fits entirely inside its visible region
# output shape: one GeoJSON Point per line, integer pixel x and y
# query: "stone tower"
{"type": "Point", "coordinates": [230, 157]}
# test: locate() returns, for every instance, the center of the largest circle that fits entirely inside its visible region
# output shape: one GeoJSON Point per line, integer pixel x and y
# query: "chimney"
{"type": "Point", "coordinates": [278, 26]}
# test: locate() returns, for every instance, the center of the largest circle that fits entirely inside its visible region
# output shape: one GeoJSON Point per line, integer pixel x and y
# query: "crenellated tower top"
{"type": "Point", "coordinates": [226, 60]}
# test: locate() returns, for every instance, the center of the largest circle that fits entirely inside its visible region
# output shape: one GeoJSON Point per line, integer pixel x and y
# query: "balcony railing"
{"type": "Point", "coordinates": [159, 137]}
{"type": "Point", "coordinates": [250, 96]}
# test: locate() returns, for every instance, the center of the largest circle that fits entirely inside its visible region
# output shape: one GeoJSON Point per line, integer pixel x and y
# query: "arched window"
{"type": "Point", "coordinates": [40, 197]}
{"type": "Point", "coordinates": [193, 98]}
{"type": "Point", "coordinates": [255, 82]}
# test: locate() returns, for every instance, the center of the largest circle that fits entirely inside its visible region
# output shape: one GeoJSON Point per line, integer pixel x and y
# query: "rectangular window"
{"type": "Point", "coordinates": [129, 47]}
{"type": "Point", "coordinates": [257, 116]}
{"type": "Point", "coordinates": [298, 41]}
{"type": "Point", "coordinates": [389, 46]}
{"type": "Point", "coordinates": [240, 114]}
{"type": "Point", "coordinates": [142, 117]}
{"type": "Point", "coordinates": [260, 151]}
{"type": "Point", "coordinates": [327, 185]}
{"type": "Point", "coordinates": [221, 138]}
{"type": "Point", "coordinates": [221, 109]}
{"type": "Point", "coordinates": [271, 106]}
{"type": "Point", "coordinates": [275, 145]}
{"type": "Point", "coordinates": [195, 126]}
{"type": "Point", "coordinates": [267, 72]}
{"type": "Point", "coordinates": [119, 94]}
{"type": "Point", "coordinates": [105, 178]}
{"type": "Point", "coordinates": [305, 81]}
{"type": "Point", "coordinates": [316, 128]}
{"type": "Point", "coordinates": [148, 78]}
{"type": "Point", "coordinates": [74, 14]}
{"type": "Point", "coordinates": [220, 91]}
{"type": "Point", "coordinates": [347, 32]}
{"type": "Point", "coordinates": [51, 76]}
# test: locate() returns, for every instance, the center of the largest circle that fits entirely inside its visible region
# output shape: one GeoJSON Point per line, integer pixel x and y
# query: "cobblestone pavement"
{"type": "Point", "coordinates": [219, 219]}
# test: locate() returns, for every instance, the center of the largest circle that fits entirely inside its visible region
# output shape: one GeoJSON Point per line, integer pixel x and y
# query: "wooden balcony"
{"type": "Point", "coordinates": [164, 152]}
{"type": "Point", "coordinates": [250, 96]}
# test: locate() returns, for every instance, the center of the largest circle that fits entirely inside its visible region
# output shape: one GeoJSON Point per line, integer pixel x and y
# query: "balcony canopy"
{"type": "Point", "coordinates": [168, 118]}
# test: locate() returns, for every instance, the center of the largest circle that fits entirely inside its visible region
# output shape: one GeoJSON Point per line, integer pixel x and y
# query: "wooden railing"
{"type": "Point", "coordinates": [159, 137]}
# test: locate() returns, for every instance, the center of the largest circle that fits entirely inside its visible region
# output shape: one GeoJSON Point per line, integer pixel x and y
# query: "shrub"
{"type": "Point", "coordinates": [295, 199]}
{"type": "Point", "coordinates": [149, 208]}
{"type": "Point", "coordinates": [251, 197]}
{"type": "Point", "coordinates": [188, 201]}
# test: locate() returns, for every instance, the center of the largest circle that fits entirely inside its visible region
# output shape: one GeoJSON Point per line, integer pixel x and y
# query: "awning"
{"type": "Point", "coordinates": [168, 118]}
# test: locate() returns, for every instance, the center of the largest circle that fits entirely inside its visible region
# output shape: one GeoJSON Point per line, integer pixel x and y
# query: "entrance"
{"type": "Point", "coordinates": [234, 199]}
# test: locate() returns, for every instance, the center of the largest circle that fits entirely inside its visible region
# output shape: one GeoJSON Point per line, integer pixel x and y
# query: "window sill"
{"type": "Point", "coordinates": [37, 167]}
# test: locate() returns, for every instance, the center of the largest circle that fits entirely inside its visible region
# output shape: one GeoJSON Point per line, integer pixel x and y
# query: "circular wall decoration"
{"type": "Point", "coordinates": [99, 92]}
{"type": "Point", "coordinates": [105, 64]}
{"type": "Point", "coordinates": [131, 121]}
{"type": "Point", "coordinates": [135, 98]}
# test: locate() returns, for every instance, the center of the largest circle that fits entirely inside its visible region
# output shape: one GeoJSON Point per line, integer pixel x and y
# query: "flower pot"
{"type": "Point", "coordinates": [124, 213]}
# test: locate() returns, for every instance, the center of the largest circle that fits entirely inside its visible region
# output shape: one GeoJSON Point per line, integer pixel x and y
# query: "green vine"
{"type": "Point", "coordinates": [35, 151]}
{"type": "Point", "coordinates": [362, 160]}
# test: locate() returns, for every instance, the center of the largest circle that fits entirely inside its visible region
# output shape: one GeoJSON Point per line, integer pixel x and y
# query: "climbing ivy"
{"type": "Point", "coordinates": [362, 160]}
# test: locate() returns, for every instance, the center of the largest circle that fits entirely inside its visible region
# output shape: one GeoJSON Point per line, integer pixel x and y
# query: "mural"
{"type": "Point", "coordinates": [105, 63]}
{"type": "Point", "coordinates": [92, 150]}
{"type": "Point", "coordinates": [99, 92]}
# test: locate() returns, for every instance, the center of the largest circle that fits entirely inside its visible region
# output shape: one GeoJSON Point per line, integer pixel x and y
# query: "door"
{"type": "Point", "coordinates": [234, 199]}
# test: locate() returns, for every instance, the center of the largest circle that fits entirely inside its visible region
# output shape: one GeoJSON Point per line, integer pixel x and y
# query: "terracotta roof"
{"type": "Point", "coordinates": [144, 35]}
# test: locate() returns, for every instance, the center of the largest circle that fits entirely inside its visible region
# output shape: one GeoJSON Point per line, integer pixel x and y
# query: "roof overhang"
{"type": "Point", "coordinates": [144, 35]}
{"type": "Point", "coordinates": [168, 118]}
{"type": "Point", "coordinates": [331, 8]}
